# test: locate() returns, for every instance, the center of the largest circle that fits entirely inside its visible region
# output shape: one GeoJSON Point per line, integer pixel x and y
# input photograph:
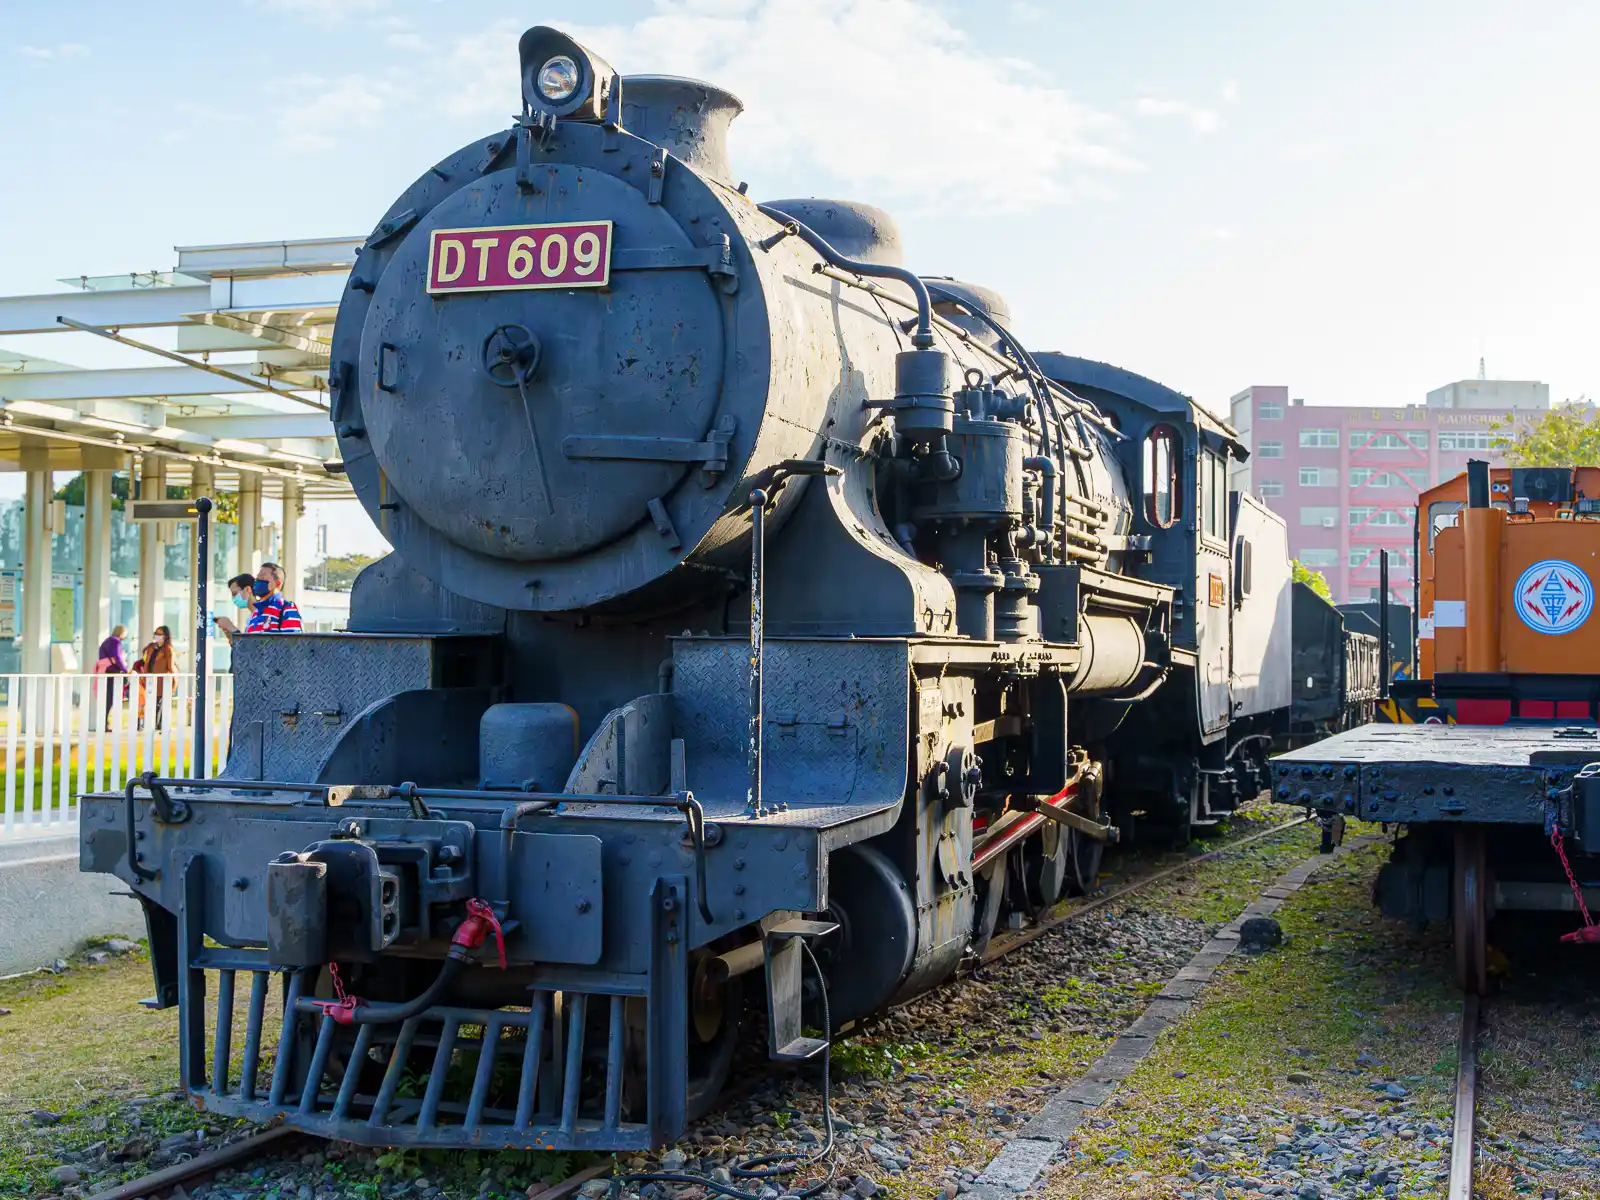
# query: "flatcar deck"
{"type": "Point", "coordinates": [1495, 773]}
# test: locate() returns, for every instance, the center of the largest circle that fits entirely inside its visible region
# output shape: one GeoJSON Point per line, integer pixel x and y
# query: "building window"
{"type": "Point", "coordinates": [1368, 439]}
{"type": "Point", "coordinates": [1366, 477]}
{"type": "Point", "coordinates": [1270, 489]}
{"type": "Point", "coordinates": [1318, 557]}
{"type": "Point", "coordinates": [1162, 454]}
{"type": "Point", "coordinates": [1382, 516]}
{"type": "Point", "coordinates": [1270, 450]}
{"type": "Point", "coordinates": [1459, 440]}
{"type": "Point", "coordinates": [1269, 410]}
{"type": "Point", "coordinates": [1367, 556]}
{"type": "Point", "coordinates": [1319, 439]}
{"type": "Point", "coordinates": [1319, 477]}
{"type": "Point", "coordinates": [1326, 516]}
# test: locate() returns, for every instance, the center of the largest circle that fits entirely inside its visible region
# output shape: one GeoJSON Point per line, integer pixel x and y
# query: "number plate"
{"type": "Point", "coordinates": [512, 258]}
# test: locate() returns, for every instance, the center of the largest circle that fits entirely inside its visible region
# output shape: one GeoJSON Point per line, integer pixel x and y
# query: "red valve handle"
{"type": "Point", "coordinates": [476, 928]}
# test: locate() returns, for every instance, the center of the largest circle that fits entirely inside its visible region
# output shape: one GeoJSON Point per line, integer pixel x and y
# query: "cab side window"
{"type": "Point", "coordinates": [1163, 454]}
{"type": "Point", "coordinates": [1213, 495]}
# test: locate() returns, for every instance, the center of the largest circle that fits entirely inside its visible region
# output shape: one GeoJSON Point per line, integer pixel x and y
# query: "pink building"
{"type": "Point", "coordinates": [1346, 479]}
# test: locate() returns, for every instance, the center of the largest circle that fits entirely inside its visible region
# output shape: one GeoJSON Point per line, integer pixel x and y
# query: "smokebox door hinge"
{"type": "Point", "coordinates": [712, 453]}
{"type": "Point", "coordinates": [715, 260]}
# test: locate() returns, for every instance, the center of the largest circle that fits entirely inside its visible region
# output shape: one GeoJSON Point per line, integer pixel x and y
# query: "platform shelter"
{"type": "Point", "coordinates": [224, 392]}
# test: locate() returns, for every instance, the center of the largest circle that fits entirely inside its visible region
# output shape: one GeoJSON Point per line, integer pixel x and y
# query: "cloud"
{"type": "Point", "coordinates": [1221, 234]}
{"type": "Point", "coordinates": [1230, 92]}
{"type": "Point", "coordinates": [64, 50]}
{"type": "Point", "coordinates": [329, 109]}
{"type": "Point", "coordinates": [881, 100]}
{"type": "Point", "coordinates": [1201, 120]}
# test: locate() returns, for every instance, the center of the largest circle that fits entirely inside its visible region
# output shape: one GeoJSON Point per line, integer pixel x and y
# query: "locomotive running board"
{"type": "Point", "coordinates": [440, 1086]}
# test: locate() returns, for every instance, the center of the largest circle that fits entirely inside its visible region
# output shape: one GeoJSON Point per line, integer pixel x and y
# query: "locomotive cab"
{"type": "Point", "coordinates": [1197, 746]}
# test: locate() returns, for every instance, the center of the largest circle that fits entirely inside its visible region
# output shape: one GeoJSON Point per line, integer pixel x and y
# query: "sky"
{"type": "Point", "coordinates": [1355, 199]}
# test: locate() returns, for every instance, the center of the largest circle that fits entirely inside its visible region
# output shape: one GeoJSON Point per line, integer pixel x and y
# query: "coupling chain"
{"type": "Point", "coordinates": [1590, 931]}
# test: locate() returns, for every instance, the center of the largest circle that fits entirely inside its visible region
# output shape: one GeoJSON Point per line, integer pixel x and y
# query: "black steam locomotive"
{"type": "Point", "coordinates": [763, 618]}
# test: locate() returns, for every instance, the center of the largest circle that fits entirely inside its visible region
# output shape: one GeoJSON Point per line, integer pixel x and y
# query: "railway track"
{"type": "Point", "coordinates": [1004, 943]}
{"type": "Point", "coordinates": [176, 1181]}
{"type": "Point", "coordinates": [1464, 1131]}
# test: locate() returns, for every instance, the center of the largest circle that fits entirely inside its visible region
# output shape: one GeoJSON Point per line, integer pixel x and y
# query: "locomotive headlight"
{"type": "Point", "coordinates": [562, 79]}
{"type": "Point", "coordinates": [559, 78]}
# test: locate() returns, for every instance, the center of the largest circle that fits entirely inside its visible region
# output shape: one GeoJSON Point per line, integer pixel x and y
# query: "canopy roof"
{"type": "Point", "coordinates": [240, 383]}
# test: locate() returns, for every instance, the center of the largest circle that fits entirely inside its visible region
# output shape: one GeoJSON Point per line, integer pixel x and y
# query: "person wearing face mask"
{"type": "Point", "coordinates": [272, 612]}
{"type": "Point", "coordinates": [155, 659]}
{"type": "Point", "coordinates": [241, 589]}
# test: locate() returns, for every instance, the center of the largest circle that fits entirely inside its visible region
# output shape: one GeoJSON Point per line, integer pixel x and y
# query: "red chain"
{"type": "Point", "coordinates": [338, 984]}
{"type": "Point", "coordinates": [343, 1009]}
{"type": "Point", "coordinates": [1561, 853]}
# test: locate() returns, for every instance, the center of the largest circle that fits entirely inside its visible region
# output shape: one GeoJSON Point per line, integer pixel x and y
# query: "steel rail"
{"type": "Point", "coordinates": [165, 1182]}
{"type": "Point", "coordinates": [1463, 1136]}
{"type": "Point", "coordinates": [1005, 943]}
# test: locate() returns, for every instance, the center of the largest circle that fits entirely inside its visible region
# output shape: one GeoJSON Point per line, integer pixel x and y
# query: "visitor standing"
{"type": "Point", "coordinates": [113, 660]}
{"type": "Point", "coordinates": [156, 659]}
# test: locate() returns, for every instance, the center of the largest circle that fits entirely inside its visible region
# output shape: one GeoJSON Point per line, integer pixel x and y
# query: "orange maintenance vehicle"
{"type": "Point", "coordinates": [1491, 770]}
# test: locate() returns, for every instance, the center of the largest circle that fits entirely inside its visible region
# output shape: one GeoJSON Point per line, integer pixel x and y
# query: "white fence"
{"type": "Point", "coordinates": [65, 735]}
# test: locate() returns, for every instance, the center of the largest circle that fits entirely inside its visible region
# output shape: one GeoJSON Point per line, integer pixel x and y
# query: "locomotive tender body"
{"type": "Point", "coordinates": [1338, 668]}
{"type": "Point", "coordinates": [748, 592]}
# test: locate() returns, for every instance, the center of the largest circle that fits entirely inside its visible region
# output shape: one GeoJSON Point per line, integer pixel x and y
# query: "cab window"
{"type": "Point", "coordinates": [1213, 495]}
{"type": "Point", "coordinates": [1163, 454]}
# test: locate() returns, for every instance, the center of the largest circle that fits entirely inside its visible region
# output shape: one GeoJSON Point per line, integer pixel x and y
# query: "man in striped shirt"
{"type": "Point", "coordinates": [272, 611]}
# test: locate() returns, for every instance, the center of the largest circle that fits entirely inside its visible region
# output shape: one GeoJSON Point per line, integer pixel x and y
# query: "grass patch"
{"type": "Point", "coordinates": [78, 1045]}
{"type": "Point", "coordinates": [1330, 994]}
{"type": "Point", "coordinates": [1216, 893]}
{"type": "Point", "coordinates": [982, 1068]}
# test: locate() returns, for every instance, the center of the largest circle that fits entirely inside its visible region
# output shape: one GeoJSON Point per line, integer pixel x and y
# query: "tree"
{"type": "Point", "coordinates": [1566, 436]}
{"type": "Point", "coordinates": [337, 573]}
{"type": "Point", "coordinates": [1312, 579]}
{"type": "Point", "coordinates": [75, 489]}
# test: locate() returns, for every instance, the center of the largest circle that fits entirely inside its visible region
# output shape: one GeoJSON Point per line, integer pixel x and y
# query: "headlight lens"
{"type": "Point", "coordinates": [558, 78]}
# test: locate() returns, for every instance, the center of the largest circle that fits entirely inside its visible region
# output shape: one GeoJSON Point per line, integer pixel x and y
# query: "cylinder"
{"type": "Point", "coordinates": [989, 487]}
{"type": "Point", "coordinates": [1113, 653]}
{"type": "Point", "coordinates": [1480, 531]}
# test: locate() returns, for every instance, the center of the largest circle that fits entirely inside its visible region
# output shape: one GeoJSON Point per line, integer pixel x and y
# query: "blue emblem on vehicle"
{"type": "Point", "coordinates": [1553, 596]}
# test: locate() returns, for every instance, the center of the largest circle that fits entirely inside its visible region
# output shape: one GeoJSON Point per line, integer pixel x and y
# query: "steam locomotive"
{"type": "Point", "coordinates": [764, 624]}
